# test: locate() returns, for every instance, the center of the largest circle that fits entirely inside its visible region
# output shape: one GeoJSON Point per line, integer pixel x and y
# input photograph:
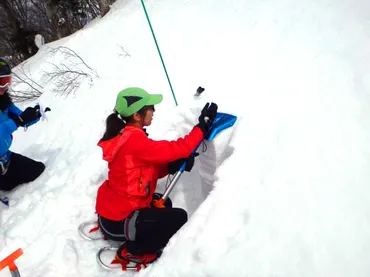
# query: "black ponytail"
{"type": "Point", "coordinates": [114, 125]}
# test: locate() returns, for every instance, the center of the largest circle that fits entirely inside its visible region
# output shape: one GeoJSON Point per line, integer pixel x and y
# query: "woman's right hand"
{"type": "Point", "coordinates": [207, 117]}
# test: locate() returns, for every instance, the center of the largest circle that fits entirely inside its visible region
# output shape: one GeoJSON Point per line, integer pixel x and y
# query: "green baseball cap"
{"type": "Point", "coordinates": [131, 100]}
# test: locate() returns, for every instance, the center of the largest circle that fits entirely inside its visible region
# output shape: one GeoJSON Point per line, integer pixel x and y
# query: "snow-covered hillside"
{"type": "Point", "coordinates": [285, 192]}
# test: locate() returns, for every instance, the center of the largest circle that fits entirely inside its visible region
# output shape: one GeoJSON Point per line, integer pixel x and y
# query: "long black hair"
{"type": "Point", "coordinates": [115, 123]}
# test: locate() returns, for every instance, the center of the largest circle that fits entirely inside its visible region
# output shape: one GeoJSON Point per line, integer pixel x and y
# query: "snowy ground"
{"type": "Point", "coordinates": [283, 193]}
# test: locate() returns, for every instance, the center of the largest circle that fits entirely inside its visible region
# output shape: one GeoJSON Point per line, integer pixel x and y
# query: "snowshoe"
{"type": "Point", "coordinates": [90, 230]}
{"type": "Point", "coordinates": [126, 261]}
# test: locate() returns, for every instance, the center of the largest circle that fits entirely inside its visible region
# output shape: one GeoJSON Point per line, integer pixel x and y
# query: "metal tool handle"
{"type": "Point", "coordinates": [172, 185]}
{"type": "Point", "coordinates": [15, 273]}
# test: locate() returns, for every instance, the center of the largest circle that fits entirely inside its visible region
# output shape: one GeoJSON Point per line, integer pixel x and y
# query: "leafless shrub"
{"type": "Point", "coordinates": [67, 76]}
{"type": "Point", "coordinates": [63, 78]}
{"type": "Point", "coordinates": [31, 89]}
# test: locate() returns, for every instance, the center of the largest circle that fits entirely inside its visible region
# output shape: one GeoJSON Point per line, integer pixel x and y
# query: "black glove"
{"type": "Point", "coordinates": [30, 114]}
{"type": "Point", "coordinates": [37, 107]}
{"type": "Point", "coordinates": [207, 117]}
{"type": "Point", "coordinates": [175, 166]}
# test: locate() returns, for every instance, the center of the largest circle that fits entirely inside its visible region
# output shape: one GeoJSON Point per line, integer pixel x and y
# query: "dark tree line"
{"type": "Point", "coordinates": [21, 20]}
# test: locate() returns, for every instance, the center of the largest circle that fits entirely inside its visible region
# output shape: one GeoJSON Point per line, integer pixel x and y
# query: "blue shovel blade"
{"type": "Point", "coordinates": [222, 121]}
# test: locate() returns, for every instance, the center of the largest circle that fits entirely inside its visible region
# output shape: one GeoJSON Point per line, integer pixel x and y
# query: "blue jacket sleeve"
{"type": "Point", "coordinates": [7, 128]}
{"type": "Point", "coordinates": [14, 109]}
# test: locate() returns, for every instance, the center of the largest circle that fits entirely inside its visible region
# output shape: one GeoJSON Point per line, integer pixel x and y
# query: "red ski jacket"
{"type": "Point", "coordinates": [135, 164]}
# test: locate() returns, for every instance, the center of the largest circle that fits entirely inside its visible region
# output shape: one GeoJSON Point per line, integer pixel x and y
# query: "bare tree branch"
{"type": "Point", "coordinates": [68, 51]}
{"type": "Point", "coordinates": [125, 54]}
{"type": "Point", "coordinates": [68, 75]}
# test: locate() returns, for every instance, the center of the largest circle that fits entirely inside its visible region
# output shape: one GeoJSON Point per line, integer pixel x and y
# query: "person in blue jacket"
{"type": "Point", "coordinates": [15, 169]}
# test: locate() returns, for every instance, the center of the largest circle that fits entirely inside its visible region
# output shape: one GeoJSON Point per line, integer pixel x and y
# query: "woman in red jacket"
{"type": "Point", "coordinates": [135, 164]}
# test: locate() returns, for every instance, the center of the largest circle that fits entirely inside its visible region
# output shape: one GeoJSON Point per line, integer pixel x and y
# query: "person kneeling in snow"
{"type": "Point", "coordinates": [15, 169]}
{"type": "Point", "coordinates": [136, 162]}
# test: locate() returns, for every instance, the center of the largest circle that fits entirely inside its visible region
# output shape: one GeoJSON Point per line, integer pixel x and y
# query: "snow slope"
{"type": "Point", "coordinates": [283, 193]}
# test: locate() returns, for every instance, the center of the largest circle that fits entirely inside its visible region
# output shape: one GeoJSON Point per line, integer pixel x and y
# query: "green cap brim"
{"type": "Point", "coordinates": [154, 99]}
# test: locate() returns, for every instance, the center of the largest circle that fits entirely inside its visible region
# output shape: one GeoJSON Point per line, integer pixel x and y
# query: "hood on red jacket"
{"type": "Point", "coordinates": [110, 147]}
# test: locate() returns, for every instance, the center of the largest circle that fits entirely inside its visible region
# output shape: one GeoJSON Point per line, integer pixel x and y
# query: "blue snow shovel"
{"type": "Point", "coordinates": [222, 121]}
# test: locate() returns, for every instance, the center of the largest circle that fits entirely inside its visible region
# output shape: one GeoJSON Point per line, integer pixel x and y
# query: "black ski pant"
{"type": "Point", "coordinates": [145, 230]}
{"type": "Point", "coordinates": [20, 170]}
